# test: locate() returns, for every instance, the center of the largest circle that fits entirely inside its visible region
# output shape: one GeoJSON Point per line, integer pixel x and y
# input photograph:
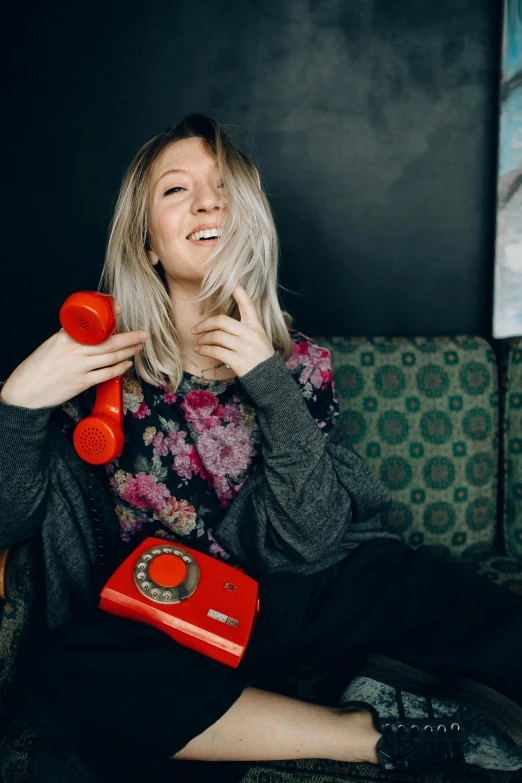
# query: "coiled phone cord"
{"type": "Point", "coordinates": [96, 508]}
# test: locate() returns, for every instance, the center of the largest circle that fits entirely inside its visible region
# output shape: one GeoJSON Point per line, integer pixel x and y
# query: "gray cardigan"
{"type": "Point", "coordinates": [310, 502]}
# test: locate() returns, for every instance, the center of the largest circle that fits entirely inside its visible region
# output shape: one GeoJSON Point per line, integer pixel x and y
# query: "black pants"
{"type": "Point", "coordinates": [137, 697]}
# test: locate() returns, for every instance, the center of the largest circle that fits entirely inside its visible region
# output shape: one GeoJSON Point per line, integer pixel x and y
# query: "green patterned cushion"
{"type": "Point", "coordinates": [512, 447]}
{"type": "Point", "coordinates": [423, 413]}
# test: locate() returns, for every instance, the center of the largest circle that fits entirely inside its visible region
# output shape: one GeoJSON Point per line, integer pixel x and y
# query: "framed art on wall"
{"type": "Point", "coordinates": [507, 306]}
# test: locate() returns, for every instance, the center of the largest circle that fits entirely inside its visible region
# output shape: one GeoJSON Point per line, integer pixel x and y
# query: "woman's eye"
{"type": "Point", "coordinates": [171, 190]}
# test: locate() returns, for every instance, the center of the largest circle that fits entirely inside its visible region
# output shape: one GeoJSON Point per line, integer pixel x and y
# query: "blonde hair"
{"type": "Point", "coordinates": [247, 252]}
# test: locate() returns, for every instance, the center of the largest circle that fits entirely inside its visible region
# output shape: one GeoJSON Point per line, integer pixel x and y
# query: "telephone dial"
{"type": "Point", "coordinates": [199, 601]}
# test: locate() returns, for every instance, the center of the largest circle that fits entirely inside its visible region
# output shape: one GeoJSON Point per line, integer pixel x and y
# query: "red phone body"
{"type": "Point", "coordinates": [88, 317]}
{"type": "Point", "coordinates": [215, 607]}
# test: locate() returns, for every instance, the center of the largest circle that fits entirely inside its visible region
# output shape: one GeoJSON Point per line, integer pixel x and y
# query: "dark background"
{"type": "Point", "coordinates": [373, 123]}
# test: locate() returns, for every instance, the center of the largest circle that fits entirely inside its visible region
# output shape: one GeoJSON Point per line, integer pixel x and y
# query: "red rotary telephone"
{"type": "Point", "coordinates": [199, 601]}
{"type": "Point", "coordinates": [88, 317]}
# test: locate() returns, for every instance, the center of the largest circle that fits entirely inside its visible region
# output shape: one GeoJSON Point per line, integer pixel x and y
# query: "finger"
{"type": "Point", "coordinates": [115, 342]}
{"type": "Point", "coordinates": [218, 337]}
{"type": "Point", "coordinates": [219, 353]}
{"type": "Point", "coordinates": [113, 357]}
{"type": "Point", "coordinates": [108, 373]}
{"type": "Point", "coordinates": [222, 322]}
{"type": "Point", "coordinates": [247, 309]}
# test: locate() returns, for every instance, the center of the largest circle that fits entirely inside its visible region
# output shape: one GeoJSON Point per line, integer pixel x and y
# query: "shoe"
{"type": "Point", "coordinates": [420, 733]}
{"type": "Point", "coordinates": [416, 745]}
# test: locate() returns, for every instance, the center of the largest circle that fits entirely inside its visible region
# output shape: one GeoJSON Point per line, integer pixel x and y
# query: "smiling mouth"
{"type": "Point", "coordinates": [207, 235]}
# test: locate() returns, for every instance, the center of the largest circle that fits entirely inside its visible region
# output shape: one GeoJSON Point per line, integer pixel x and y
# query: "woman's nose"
{"type": "Point", "coordinates": [208, 198]}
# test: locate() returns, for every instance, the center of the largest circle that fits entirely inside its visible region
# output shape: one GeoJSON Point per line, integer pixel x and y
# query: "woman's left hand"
{"type": "Point", "coordinates": [241, 344]}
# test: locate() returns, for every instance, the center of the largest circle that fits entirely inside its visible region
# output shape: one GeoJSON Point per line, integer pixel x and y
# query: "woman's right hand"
{"type": "Point", "coordinates": [61, 368]}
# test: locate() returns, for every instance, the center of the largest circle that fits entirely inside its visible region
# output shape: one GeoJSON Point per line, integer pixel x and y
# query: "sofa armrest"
{"type": "Point", "coordinates": [4, 572]}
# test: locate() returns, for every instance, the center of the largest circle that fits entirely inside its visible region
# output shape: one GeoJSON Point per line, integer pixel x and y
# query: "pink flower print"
{"type": "Point", "coordinates": [169, 397]}
{"type": "Point", "coordinates": [202, 409]}
{"type": "Point", "coordinates": [215, 548]}
{"type": "Point", "coordinates": [327, 377]}
{"type": "Point", "coordinates": [129, 524]}
{"type": "Point", "coordinates": [159, 444]}
{"type": "Point", "coordinates": [221, 487]}
{"type": "Point", "coordinates": [183, 464]}
{"type": "Point", "coordinates": [299, 354]}
{"type": "Point", "coordinates": [119, 482]}
{"type": "Point", "coordinates": [142, 411]}
{"type": "Point", "coordinates": [234, 490]}
{"type": "Point", "coordinates": [237, 487]}
{"type": "Point", "coordinates": [176, 442]}
{"type": "Point", "coordinates": [197, 465]}
{"type": "Point", "coordinates": [173, 442]}
{"type": "Point", "coordinates": [303, 347]}
{"type": "Point", "coordinates": [199, 402]}
{"type": "Point", "coordinates": [231, 413]}
{"type": "Point", "coordinates": [144, 491]}
{"type": "Point", "coordinates": [178, 515]}
{"type": "Point", "coordinates": [226, 450]}
{"type": "Point", "coordinates": [316, 362]}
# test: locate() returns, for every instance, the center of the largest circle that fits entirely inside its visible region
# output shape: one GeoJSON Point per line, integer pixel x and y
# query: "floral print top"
{"type": "Point", "coordinates": [187, 454]}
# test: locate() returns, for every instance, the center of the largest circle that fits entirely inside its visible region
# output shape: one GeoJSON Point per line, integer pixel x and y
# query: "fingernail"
{"type": "Point", "coordinates": [144, 335]}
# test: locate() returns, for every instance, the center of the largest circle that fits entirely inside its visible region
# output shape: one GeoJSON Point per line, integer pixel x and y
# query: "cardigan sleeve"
{"type": "Point", "coordinates": [27, 444]}
{"type": "Point", "coordinates": [24, 479]}
{"type": "Point", "coordinates": [311, 494]}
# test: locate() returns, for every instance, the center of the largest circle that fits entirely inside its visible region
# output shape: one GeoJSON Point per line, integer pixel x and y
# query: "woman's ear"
{"type": "Point", "coordinates": [152, 256]}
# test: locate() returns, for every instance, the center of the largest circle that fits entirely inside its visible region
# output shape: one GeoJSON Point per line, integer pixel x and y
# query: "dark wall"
{"type": "Point", "coordinates": [373, 124]}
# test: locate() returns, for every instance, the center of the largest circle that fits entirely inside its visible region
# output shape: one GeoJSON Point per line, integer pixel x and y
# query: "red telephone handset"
{"type": "Point", "coordinates": [88, 317]}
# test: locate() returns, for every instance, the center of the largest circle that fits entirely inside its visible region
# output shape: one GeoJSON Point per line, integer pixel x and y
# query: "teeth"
{"type": "Point", "coordinates": [208, 232]}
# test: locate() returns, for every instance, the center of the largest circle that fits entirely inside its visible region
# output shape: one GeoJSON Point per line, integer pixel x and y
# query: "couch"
{"type": "Point", "coordinates": [439, 420]}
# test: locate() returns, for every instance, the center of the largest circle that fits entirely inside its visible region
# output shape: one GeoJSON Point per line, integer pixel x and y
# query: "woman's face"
{"type": "Point", "coordinates": [187, 195]}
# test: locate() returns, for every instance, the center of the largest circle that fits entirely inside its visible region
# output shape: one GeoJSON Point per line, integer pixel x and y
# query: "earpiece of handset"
{"type": "Point", "coordinates": [88, 317]}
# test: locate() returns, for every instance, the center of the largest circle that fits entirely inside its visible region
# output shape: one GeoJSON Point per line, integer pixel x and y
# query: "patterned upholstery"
{"type": "Point", "coordinates": [424, 415]}
{"type": "Point", "coordinates": [512, 447]}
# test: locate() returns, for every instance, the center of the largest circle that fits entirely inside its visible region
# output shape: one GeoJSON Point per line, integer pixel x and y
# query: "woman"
{"type": "Point", "coordinates": [234, 446]}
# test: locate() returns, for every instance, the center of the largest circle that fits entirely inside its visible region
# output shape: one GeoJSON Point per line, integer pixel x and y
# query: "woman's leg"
{"type": "Point", "coordinates": [138, 699]}
{"type": "Point", "coordinates": [266, 726]}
